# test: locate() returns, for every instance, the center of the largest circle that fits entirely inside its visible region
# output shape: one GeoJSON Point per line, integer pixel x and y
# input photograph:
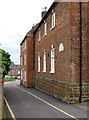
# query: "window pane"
{"type": "Point", "coordinates": [25, 44]}
{"type": "Point", "coordinates": [53, 19]}
{"type": "Point", "coordinates": [25, 75]}
{"type": "Point", "coordinates": [39, 35]}
{"type": "Point", "coordinates": [44, 62]}
{"type": "Point", "coordinates": [45, 29]}
{"type": "Point", "coordinates": [52, 60]}
{"type": "Point", "coordinates": [38, 63]}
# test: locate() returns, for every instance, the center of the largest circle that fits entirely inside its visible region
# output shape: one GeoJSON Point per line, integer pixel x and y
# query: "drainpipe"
{"type": "Point", "coordinates": [33, 59]}
{"type": "Point", "coordinates": [80, 98]}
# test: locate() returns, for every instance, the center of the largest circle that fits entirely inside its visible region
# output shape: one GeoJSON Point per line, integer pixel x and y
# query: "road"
{"type": "Point", "coordinates": [32, 103]}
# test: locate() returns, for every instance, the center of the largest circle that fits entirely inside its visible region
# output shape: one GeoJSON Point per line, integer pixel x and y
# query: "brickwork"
{"type": "Point", "coordinates": [29, 59]}
{"type": "Point", "coordinates": [54, 37]}
{"type": "Point", "coordinates": [23, 67]}
{"type": "Point", "coordinates": [65, 82]}
{"type": "Point", "coordinates": [75, 42]}
{"type": "Point", "coordinates": [88, 42]}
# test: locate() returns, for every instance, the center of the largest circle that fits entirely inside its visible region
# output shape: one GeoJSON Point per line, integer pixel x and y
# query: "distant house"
{"type": "Point", "coordinates": [14, 70]}
{"type": "Point", "coordinates": [57, 59]}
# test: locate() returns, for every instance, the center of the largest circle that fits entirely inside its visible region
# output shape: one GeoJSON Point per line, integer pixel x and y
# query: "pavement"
{"type": "Point", "coordinates": [32, 103]}
{"type": "Point", "coordinates": [82, 105]}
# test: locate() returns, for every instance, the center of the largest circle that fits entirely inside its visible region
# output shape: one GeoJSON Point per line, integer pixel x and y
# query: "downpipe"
{"type": "Point", "coordinates": [80, 97]}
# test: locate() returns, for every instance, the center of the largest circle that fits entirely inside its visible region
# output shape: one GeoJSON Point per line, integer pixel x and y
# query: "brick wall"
{"type": "Point", "coordinates": [88, 44]}
{"type": "Point", "coordinates": [29, 59]}
{"type": "Point", "coordinates": [65, 82]}
{"type": "Point", "coordinates": [23, 67]}
{"type": "Point", "coordinates": [55, 37]}
{"type": "Point", "coordinates": [1, 100]}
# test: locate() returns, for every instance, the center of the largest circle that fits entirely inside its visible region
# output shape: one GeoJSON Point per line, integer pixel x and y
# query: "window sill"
{"type": "Point", "coordinates": [51, 72]}
{"type": "Point", "coordinates": [44, 71]}
{"type": "Point", "coordinates": [44, 35]}
{"type": "Point", "coordinates": [52, 28]}
{"type": "Point", "coordinates": [38, 41]}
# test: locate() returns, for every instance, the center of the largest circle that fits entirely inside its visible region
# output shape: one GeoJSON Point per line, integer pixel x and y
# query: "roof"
{"type": "Point", "coordinates": [45, 16]}
{"type": "Point", "coordinates": [15, 67]}
{"type": "Point", "coordinates": [28, 34]}
{"type": "Point", "coordinates": [23, 40]}
{"type": "Point", "coordinates": [36, 27]}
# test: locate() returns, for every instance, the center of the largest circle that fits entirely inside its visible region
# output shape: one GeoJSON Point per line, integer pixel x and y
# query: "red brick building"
{"type": "Point", "coordinates": [14, 70]}
{"type": "Point", "coordinates": [26, 59]}
{"type": "Point", "coordinates": [60, 52]}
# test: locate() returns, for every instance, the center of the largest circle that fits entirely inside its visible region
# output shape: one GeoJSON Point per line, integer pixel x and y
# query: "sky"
{"type": "Point", "coordinates": [16, 19]}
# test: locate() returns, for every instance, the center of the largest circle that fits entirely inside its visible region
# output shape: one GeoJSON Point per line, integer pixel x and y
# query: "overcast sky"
{"type": "Point", "coordinates": [16, 19]}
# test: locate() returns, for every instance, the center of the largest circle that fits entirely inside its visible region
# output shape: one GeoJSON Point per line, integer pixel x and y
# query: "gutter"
{"type": "Point", "coordinates": [80, 97]}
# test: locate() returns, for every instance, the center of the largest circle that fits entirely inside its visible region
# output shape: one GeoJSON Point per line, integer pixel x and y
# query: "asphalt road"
{"type": "Point", "coordinates": [32, 103]}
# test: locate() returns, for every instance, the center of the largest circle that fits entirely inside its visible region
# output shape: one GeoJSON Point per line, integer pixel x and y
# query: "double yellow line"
{"type": "Point", "coordinates": [9, 109]}
{"type": "Point", "coordinates": [40, 100]}
{"type": "Point", "coordinates": [48, 103]}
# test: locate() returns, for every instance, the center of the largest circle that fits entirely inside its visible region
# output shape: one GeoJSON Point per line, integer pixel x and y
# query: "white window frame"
{"type": "Point", "coordinates": [45, 29]}
{"type": "Point", "coordinates": [52, 60]}
{"type": "Point", "coordinates": [21, 74]}
{"type": "Point", "coordinates": [39, 36]}
{"type": "Point", "coordinates": [38, 62]}
{"type": "Point", "coordinates": [24, 75]}
{"type": "Point", "coordinates": [22, 47]}
{"type": "Point", "coordinates": [44, 61]}
{"type": "Point", "coordinates": [24, 59]}
{"type": "Point", "coordinates": [21, 60]}
{"type": "Point", "coordinates": [53, 20]}
{"type": "Point", "coordinates": [25, 44]}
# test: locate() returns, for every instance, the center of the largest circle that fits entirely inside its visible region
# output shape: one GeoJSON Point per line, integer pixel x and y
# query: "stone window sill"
{"type": "Point", "coordinates": [52, 28]}
{"type": "Point", "coordinates": [44, 35]}
{"type": "Point", "coordinates": [38, 41]}
{"type": "Point", "coordinates": [44, 71]}
{"type": "Point", "coordinates": [52, 72]}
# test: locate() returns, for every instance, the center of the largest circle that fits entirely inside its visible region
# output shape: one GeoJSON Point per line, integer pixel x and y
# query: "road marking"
{"type": "Point", "coordinates": [48, 103]}
{"type": "Point", "coordinates": [9, 109]}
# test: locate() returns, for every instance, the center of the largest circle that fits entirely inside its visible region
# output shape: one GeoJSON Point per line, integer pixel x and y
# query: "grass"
{"type": "Point", "coordinates": [4, 114]}
{"type": "Point", "coordinates": [9, 79]}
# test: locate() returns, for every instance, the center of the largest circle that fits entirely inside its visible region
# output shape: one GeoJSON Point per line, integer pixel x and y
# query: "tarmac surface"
{"type": "Point", "coordinates": [32, 103]}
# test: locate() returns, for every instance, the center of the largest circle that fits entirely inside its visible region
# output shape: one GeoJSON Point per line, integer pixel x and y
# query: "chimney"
{"type": "Point", "coordinates": [44, 11]}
